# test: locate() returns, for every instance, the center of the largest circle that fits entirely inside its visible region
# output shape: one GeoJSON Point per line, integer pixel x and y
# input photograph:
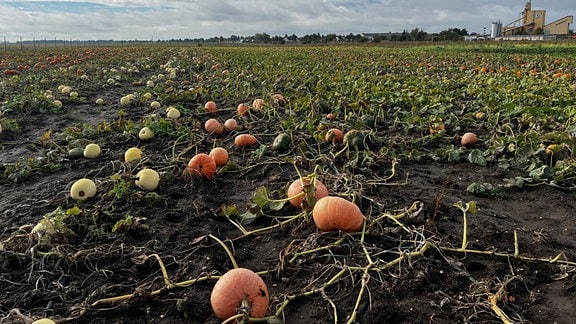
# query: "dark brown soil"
{"type": "Point", "coordinates": [65, 278]}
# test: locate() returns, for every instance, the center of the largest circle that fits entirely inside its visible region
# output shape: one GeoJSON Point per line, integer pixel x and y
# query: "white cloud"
{"type": "Point", "coordinates": [131, 19]}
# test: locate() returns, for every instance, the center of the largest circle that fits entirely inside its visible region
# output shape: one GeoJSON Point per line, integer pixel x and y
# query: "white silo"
{"type": "Point", "coordinates": [496, 29]}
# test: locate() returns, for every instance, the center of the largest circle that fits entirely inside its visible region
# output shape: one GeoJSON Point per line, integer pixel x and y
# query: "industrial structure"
{"type": "Point", "coordinates": [532, 22]}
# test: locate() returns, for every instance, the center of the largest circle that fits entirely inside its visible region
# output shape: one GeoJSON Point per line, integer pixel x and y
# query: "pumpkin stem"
{"type": "Point", "coordinates": [308, 188]}
{"type": "Point", "coordinates": [341, 151]}
{"type": "Point", "coordinates": [167, 281]}
{"type": "Point", "coordinates": [236, 317]}
{"type": "Point", "coordinates": [243, 313]}
{"type": "Point", "coordinates": [245, 307]}
{"type": "Point", "coordinates": [230, 255]}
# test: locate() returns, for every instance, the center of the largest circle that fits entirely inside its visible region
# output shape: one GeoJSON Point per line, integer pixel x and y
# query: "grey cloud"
{"type": "Point", "coordinates": [203, 18]}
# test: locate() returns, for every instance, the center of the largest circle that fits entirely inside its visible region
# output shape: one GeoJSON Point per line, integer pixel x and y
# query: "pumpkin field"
{"type": "Point", "coordinates": [288, 184]}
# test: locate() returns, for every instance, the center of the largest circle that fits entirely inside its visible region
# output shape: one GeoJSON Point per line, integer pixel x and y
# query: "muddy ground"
{"type": "Point", "coordinates": [67, 278]}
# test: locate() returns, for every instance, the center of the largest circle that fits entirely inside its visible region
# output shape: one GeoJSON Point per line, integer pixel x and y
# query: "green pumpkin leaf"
{"type": "Point", "coordinates": [276, 205]}
{"type": "Point", "coordinates": [250, 215]}
{"type": "Point", "coordinates": [228, 211]}
{"type": "Point", "coordinates": [260, 197]}
{"type": "Point", "coordinates": [471, 207]}
{"type": "Point", "coordinates": [540, 173]}
{"type": "Point", "coordinates": [477, 157]}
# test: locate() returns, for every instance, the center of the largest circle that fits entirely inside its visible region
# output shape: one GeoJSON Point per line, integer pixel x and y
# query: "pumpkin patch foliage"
{"type": "Point", "coordinates": [296, 184]}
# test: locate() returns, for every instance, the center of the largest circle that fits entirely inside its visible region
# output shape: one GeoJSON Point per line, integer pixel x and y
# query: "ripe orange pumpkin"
{"type": "Point", "coordinates": [230, 124]}
{"type": "Point", "coordinates": [11, 72]}
{"type": "Point", "coordinates": [334, 135]}
{"type": "Point", "coordinates": [220, 156]}
{"type": "Point", "coordinates": [245, 140]}
{"type": "Point", "coordinates": [213, 126]}
{"type": "Point", "coordinates": [242, 109]}
{"type": "Point", "coordinates": [279, 99]}
{"type": "Point", "coordinates": [237, 287]}
{"type": "Point", "coordinates": [297, 187]}
{"type": "Point", "coordinates": [210, 106]}
{"type": "Point", "coordinates": [336, 213]}
{"type": "Point", "coordinates": [201, 165]}
{"type": "Point", "coordinates": [469, 139]}
{"type": "Point", "coordinates": [258, 103]}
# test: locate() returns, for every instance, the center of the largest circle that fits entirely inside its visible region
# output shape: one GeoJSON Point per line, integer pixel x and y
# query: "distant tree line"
{"type": "Point", "coordinates": [416, 34]}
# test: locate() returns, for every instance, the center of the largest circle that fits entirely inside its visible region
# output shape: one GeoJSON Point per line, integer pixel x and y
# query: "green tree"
{"type": "Point", "coordinates": [331, 37]}
{"type": "Point", "coordinates": [452, 34]}
{"type": "Point", "coordinates": [262, 38]}
{"type": "Point", "coordinates": [417, 34]}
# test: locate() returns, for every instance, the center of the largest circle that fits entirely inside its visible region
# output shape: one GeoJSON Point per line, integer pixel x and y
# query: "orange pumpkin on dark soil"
{"type": "Point", "coordinates": [230, 124]}
{"type": "Point", "coordinates": [239, 288]}
{"type": "Point", "coordinates": [213, 126]}
{"type": "Point", "coordinates": [220, 156]}
{"type": "Point", "coordinates": [210, 106]}
{"type": "Point", "coordinates": [279, 99]}
{"type": "Point", "coordinates": [258, 103]}
{"type": "Point", "coordinates": [336, 213]}
{"type": "Point", "coordinates": [244, 140]}
{"type": "Point", "coordinates": [201, 165]}
{"type": "Point", "coordinates": [296, 189]}
{"type": "Point", "coordinates": [334, 135]}
{"type": "Point", "coordinates": [242, 109]}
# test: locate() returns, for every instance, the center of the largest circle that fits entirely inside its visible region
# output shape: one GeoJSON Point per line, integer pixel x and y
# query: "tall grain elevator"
{"type": "Point", "coordinates": [533, 22]}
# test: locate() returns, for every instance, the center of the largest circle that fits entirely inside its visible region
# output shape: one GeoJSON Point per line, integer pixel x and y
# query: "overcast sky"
{"type": "Point", "coordinates": [168, 19]}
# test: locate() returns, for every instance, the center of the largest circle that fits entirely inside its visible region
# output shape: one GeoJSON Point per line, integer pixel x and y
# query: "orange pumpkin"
{"type": "Point", "coordinates": [245, 140]}
{"type": "Point", "coordinates": [213, 126]}
{"type": "Point", "coordinates": [220, 156]}
{"type": "Point", "coordinates": [469, 139]}
{"type": "Point", "coordinates": [297, 187]}
{"type": "Point", "coordinates": [230, 124]}
{"type": "Point", "coordinates": [279, 99]}
{"type": "Point", "coordinates": [334, 135]}
{"type": "Point", "coordinates": [238, 288]}
{"type": "Point", "coordinates": [258, 103]}
{"type": "Point", "coordinates": [336, 213]}
{"type": "Point", "coordinates": [201, 165]}
{"type": "Point", "coordinates": [210, 106]}
{"type": "Point", "coordinates": [242, 109]}
{"type": "Point", "coordinates": [11, 72]}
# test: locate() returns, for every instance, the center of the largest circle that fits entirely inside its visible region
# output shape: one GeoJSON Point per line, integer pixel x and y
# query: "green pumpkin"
{"type": "Point", "coordinates": [76, 153]}
{"type": "Point", "coordinates": [281, 142]}
{"type": "Point", "coordinates": [323, 106]}
{"type": "Point", "coordinates": [356, 139]}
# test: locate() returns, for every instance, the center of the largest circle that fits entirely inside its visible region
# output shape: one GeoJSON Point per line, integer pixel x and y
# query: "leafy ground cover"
{"type": "Point", "coordinates": [452, 233]}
